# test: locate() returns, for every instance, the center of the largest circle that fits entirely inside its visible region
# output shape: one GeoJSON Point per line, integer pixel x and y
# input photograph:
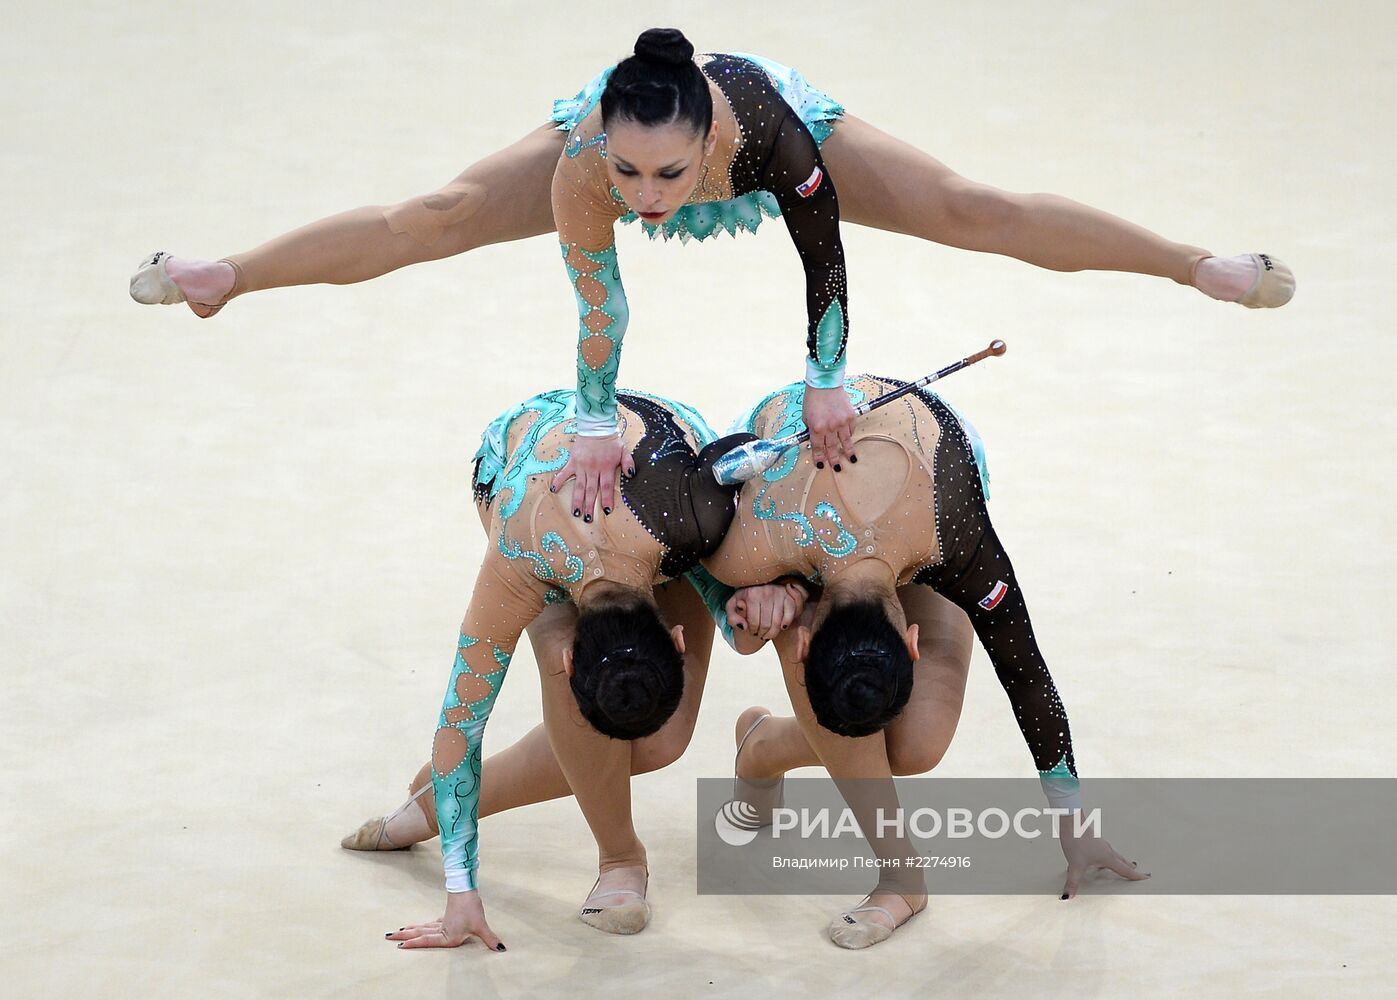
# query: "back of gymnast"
{"type": "Point", "coordinates": [883, 651]}
{"type": "Point", "coordinates": [621, 639]}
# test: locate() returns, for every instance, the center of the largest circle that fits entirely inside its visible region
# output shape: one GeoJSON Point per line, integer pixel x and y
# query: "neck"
{"type": "Point", "coordinates": [606, 593]}
{"type": "Point", "coordinates": [865, 578]}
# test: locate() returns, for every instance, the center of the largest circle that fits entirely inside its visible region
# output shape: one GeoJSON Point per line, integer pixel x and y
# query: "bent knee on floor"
{"type": "Point", "coordinates": [440, 220]}
{"type": "Point", "coordinates": [907, 757]}
{"type": "Point", "coordinates": [659, 751]}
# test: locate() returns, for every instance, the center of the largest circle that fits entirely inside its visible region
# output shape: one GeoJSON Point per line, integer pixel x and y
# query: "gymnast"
{"type": "Point", "coordinates": [621, 640]}
{"type": "Point", "coordinates": [690, 146]}
{"type": "Point", "coordinates": [908, 563]}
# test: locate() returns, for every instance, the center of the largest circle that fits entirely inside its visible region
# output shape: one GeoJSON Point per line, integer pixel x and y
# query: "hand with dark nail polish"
{"type": "Point", "coordinates": [587, 518]}
{"type": "Point", "coordinates": [819, 465]}
{"type": "Point", "coordinates": [577, 512]}
{"type": "Point", "coordinates": [838, 468]}
{"type": "Point", "coordinates": [853, 458]}
{"type": "Point", "coordinates": [606, 511]}
{"type": "Point", "coordinates": [501, 947]}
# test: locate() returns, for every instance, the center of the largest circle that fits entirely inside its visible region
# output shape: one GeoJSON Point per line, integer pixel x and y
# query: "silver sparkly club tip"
{"type": "Point", "coordinates": [750, 460]}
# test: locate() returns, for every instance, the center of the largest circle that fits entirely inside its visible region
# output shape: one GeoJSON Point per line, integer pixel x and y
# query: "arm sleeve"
{"type": "Point", "coordinates": [976, 575]}
{"type": "Point", "coordinates": [501, 606]}
{"type": "Point", "coordinates": [983, 585]}
{"type": "Point", "coordinates": [796, 175]}
{"type": "Point", "coordinates": [585, 217]}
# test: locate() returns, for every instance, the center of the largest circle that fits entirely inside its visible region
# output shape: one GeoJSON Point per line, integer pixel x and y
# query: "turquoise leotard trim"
{"type": "Point", "coordinates": [826, 369]}
{"type": "Point", "coordinates": [745, 213]}
{"type": "Point", "coordinates": [1061, 786]}
{"type": "Point", "coordinates": [607, 318]}
{"type": "Point", "coordinates": [458, 791]}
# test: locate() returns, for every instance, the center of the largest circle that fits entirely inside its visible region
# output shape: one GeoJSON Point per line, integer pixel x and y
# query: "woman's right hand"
{"type": "Point", "coordinates": [464, 919]}
{"type": "Point", "coordinates": [765, 612]}
{"type": "Point", "coordinates": [593, 462]}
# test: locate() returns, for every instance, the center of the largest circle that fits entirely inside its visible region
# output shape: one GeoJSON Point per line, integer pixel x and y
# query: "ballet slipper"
{"type": "Point", "coordinates": [630, 917]}
{"type": "Point", "coordinates": [761, 796]}
{"type": "Point", "coordinates": [152, 285]}
{"type": "Point", "coordinates": [852, 932]}
{"type": "Point", "coordinates": [1274, 285]}
{"type": "Point", "coordinates": [372, 835]}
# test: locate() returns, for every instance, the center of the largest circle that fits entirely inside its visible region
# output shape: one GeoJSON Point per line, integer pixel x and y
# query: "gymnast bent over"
{"type": "Point", "coordinates": [622, 645]}
{"type": "Point", "coordinates": [903, 549]}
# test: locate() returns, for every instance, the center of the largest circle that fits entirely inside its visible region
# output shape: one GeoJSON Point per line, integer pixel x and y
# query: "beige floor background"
{"type": "Point", "coordinates": [235, 553]}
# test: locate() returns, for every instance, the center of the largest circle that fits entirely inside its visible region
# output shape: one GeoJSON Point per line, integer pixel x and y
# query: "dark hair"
{"type": "Point", "coordinates": [627, 674]}
{"type": "Point", "coordinates": [858, 673]}
{"type": "Point", "coordinates": [659, 84]}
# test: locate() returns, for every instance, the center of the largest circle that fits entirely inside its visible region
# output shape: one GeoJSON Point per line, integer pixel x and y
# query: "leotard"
{"type": "Point", "coordinates": [763, 146]}
{"type": "Point", "coordinates": [915, 501]}
{"type": "Point", "coordinates": [538, 554]}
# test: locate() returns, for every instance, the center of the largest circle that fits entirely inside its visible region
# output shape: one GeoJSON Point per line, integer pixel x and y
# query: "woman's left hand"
{"type": "Point", "coordinates": [1087, 853]}
{"type": "Point", "coordinates": [830, 416]}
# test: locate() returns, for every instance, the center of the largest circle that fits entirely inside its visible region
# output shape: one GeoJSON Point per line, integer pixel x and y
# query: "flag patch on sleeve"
{"type": "Point", "coordinates": [811, 184]}
{"type": "Point", "coordinates": [991, 600]}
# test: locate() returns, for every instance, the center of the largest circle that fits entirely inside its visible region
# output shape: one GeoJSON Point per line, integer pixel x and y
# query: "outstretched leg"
{"type": "Point", "coordinates": [501, 198]}
{"type": "Point", "coordinates": [888, 184]}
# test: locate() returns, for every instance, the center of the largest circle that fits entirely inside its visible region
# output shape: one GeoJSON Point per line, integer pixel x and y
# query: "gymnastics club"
{"type": "Point", "coordinates": [755, 457]}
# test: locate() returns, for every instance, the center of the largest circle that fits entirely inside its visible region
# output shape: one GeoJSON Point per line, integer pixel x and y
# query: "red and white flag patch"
{"type": "Point", "coordinates": [991, 600]}
{"type": "Point", "coordinates": [812, 183]}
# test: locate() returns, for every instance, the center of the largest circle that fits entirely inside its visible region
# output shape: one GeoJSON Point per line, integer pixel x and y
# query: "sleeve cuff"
{"type": "Point", "coordinates": [818, 377]}
{"type": "Point", "coordinates": [460, 880]}
{"type": "Point", "coordinates": [597, 426]}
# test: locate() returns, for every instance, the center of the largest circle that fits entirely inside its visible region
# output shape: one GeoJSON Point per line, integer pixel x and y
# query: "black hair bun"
{"type": "Point", "coordinates": [664, 45]}
{"type": "Point", "coordinates": [628, 693]}
{"type": "Point", "coordinates": [863, 695]}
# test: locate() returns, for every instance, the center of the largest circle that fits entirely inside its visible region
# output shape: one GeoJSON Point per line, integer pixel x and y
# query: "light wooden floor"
{"type": "Point", "coordinates": [235, 553]}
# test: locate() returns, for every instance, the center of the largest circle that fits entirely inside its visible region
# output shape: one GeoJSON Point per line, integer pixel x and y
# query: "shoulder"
{"type": "Point", "coordinates": [581, 169]}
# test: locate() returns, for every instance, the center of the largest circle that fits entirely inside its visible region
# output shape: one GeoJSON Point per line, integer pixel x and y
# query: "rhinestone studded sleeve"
{"type": "Point", "coordinates": [585, 216]}
{"type": "Point", "coordinates": [778, 154]}
{"type": "Point", "coordinates": [500, 609]}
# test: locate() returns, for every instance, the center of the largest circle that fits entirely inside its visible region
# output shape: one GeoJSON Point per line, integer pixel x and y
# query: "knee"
{"type": "Point", "coordinates": [970, 206]}
{"type": "Point", "coordinates": [441, 217]}
{"type": "Point", "coordinates": [661, 750]}
{"type": "Point", "coordinates": [914, 756]}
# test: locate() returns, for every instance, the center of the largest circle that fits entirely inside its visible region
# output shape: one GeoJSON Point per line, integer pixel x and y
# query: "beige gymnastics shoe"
{"type": "Point", "coordinates": [854, 932]}
{"type": "Point", "coordinates": [152, 285]}
{"type": "Point", "coordinates": [1274, 286]}
{"type": "Point", "coordinates": [629, 917]}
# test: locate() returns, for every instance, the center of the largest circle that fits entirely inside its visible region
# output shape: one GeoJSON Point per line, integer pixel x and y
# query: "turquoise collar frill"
{"type": "Point", "coordinates": [701, 220]}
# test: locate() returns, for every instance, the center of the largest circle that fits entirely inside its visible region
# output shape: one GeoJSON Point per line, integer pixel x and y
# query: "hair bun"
{"type": "Point", "coordinates": [664, 45]}
{"type": "Point", "coordinates": [628, 693]}
{"type": "Point", "coordinates": [864, 694]}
